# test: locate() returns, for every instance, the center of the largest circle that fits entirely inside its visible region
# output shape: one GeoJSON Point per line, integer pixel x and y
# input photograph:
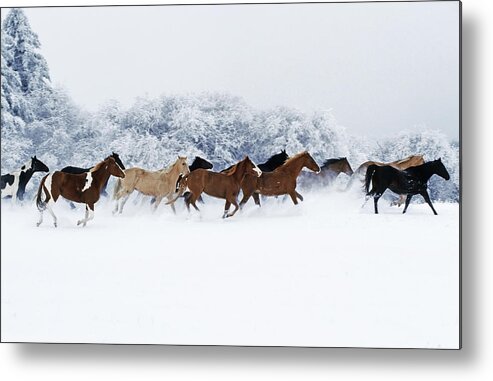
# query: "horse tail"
{"type": "Point", "coordinates": [369, 174]}
{"type": "Point", "coordinates": [40, 203]}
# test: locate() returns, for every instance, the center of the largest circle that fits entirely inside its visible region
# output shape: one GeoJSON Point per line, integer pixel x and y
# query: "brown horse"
{"type": "Point", "coordinates": [83, 188]}
{"type": "Point", "coordinates": [328, 173]}
{"type": "Point", "coordinates": [159, 184]}
{"type": "Point", "coordinates": [281, 181]}
{"type": "Point", "coordinates": [402, 164]}
{"type": "Point", "coordinates": [220, 185]}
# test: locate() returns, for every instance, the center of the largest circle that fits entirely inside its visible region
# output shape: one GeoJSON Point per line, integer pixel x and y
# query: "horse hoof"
{"type": "Point", "coordinates": [55, 224]}
{"type": "Point", "coordinates": [37, 224]}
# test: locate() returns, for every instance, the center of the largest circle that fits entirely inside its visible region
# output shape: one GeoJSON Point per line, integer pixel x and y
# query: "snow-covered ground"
{"type": "Point", "coordinates": [324, 273]}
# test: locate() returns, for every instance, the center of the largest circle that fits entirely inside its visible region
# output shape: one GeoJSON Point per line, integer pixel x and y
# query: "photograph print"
{"type": "Point", "coordinates": [235, 175]}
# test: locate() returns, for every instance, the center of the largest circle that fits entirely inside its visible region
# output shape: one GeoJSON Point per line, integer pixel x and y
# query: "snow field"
{"type": "Point", "coordinates": [324, 273]}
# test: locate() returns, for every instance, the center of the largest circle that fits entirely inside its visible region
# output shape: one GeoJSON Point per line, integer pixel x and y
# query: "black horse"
{"type": "Point", "coordinates": [199, 162]}
{"type": "Point", "coordinates": [78, 170]}
{"type": "Point", "coordinates": [274, 161]}
{"type": "Point", "coordinates": [14, 184]}
{"type": "Point", "coordinates": [410, 181]}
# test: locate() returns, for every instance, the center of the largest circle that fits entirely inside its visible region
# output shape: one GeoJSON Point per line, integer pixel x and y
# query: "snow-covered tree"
{"type": "Point", "coordinates": [22, 53]}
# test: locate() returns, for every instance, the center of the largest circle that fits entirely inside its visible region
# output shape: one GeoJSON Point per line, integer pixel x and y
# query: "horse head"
{"type": "Point", "coordinates": [38, 165]}
{"type": "Point", "coordinates": [113, 167]}
{"type": "Point", "coordinates": [251, 168]}
{"type": "Point", "coordinates": [440, 169]}
{"type": "Point", "coordinates": [201, 163]}
{"type": "Point", "coordinates": [182, 165]}
{"type": "Point", "coordinates": [277, 160]}
{"type": "Point", "coordinates": [117, 159]}
{"type": "Point", "coordinates": [310, 163]}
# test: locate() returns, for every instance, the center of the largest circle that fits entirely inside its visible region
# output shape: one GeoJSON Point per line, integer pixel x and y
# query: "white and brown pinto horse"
{"type": "Point", "coordinates": [158, 184]}
{"type": "Point", "coordinates": [82, 188]}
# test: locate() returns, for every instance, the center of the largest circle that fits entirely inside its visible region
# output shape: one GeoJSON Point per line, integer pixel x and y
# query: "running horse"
{"type": "Point", "coordinates": [14, 184]}
{"type": "Point", "coordinates": [82, 188]}
{"type": "Point", "coordinates": [271, 164]}
{"type": "Point", "coordinates": [281, 181]}
{"type": "Point", "coordinates": [408, 182]}
{"type": "Point", "coordinates": [198, 163]}
{"type": "Point", "coordinates": [219, 185]}
{"type": "Point", "coordinates": [79, 170]}
{"type": "Point", "coordinates": [159, 184]}
{"type": "Point", "coordinates": [329, 171]}
{"type": "Point", "coordinates": [407, 162]}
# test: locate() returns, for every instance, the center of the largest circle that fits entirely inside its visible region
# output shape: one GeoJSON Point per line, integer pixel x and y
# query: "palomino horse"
{"type": "Point", "coordinates": [409, 182]}
{"type": "Point", "coordinates": [14, 184]}
{"type": "Point", "coordinates": [159, 184]}
{"type": "Point", "coordinates": [79, 170]}
{"type": "Point", "coordinates": [281, 181]}
{"type": "Point", "coordinates": [407, 162]}
{"type": "Point", "coordinates": [220, 185]}
{"type": "Point", "coordinates": [328, 173]}
{"type": "Point", "coordinates": [83, 188]}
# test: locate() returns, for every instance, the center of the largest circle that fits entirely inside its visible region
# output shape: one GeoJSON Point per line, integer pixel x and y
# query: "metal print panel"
{"type": "Point", "coordinates": [254, 175]}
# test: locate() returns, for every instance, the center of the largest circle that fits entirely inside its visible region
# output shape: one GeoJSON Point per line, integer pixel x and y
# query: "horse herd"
{"type": "Point", "coordinates": [277, 176]}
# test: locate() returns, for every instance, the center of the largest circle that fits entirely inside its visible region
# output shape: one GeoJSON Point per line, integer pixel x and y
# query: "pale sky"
{"type": "Point", "coordinates": [380, 67]}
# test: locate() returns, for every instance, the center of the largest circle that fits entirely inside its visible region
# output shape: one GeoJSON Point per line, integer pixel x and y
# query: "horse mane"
{"type": "Point", "coordinates": [332, 161]}
{"type": "Point", "coordinates": [99, 165]}
{"type": "Point", "coordinates": [294, 157]}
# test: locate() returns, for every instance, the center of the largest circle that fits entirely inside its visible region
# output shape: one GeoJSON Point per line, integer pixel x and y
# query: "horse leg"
{"type": "Point", "coordinates": [40, 221]}
{"type": "Point", "coordinates": [226, 208]}
{"type": "Point", "coordinates": [427, 199]}
{"type": "Point", "coordinates": [156, 204]}
{"type": "Point", "coordinates": [293, 197]}
{"type": "Point", "coordinates": [408, 200]}
{"type": "Point", "coordinates": [48, 208]}
{"type": "Point", "coordinates": [89, 215]}
{"type": "Point", "coordinates": [247, 193]}
{"type": "Point", "coordinates": [256, 198]}
{"type": "Point", "coordinates": [299, 196]}
{"type": "Point", "coordinates": [191, 200]}
{"type": "Point", "coordinates": [173, 208]}
{"type": "Point", "coordinates": [376, 197]}
{"type": "Point", "coordinates": [235, 203]}
{"type": "Point", "coordinates": [123, 202]}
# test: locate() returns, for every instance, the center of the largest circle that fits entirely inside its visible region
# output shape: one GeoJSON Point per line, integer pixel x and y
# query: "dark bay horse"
{"type": "Point", "coordinates": [281, 181]}
{"type": "Point", "coordinates": [408, 182]}
{"type": "Point", "coordinates": [83, 188]}
{"type": "Point", "coordinates": [14, 184]}
{"type": "Point", "coordinates": [79, 170]}
{"type": "Point", "coordinates": [329, 171]}
{"type": "Point", "coordinates": [220, 185]}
